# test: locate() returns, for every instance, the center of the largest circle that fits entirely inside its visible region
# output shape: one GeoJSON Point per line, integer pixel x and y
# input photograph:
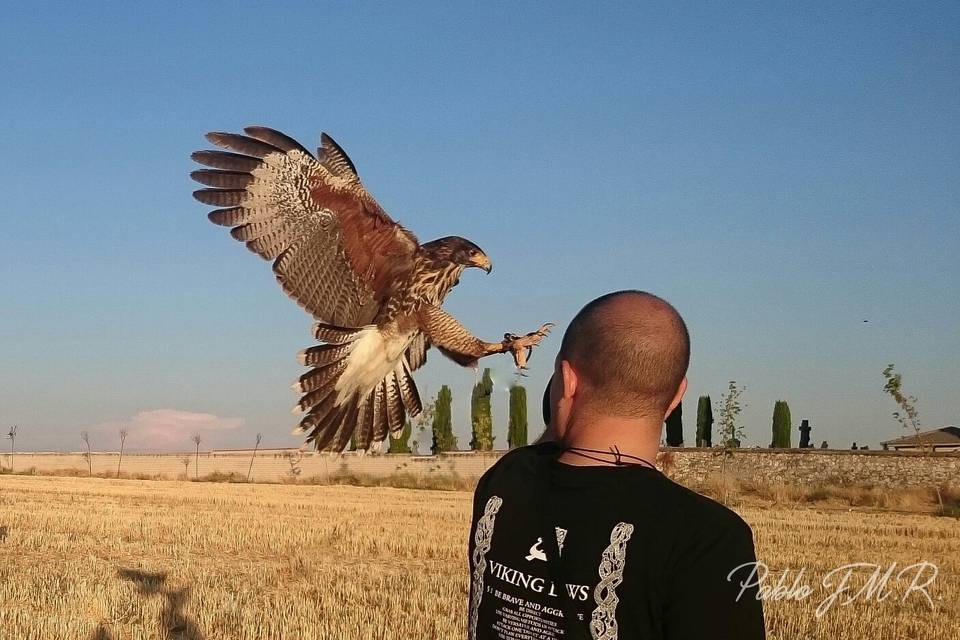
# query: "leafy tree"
{"type": "Point", "coordinates": [401, 444]}
{"type": "Point", "coordinates": [731, 433]}
{"type": "Point", "coordinates": [704, 422]}
{"type": "Point", "coordinates": [907, 416]}
{"type": "Point", "coordinates": [481, 418]}
{"type": "Point", "coordinates": [517, 427]}
{"type": "Point", "coordinates": [781, 425]}
{"type": "Point", "coordinates": [675, 427]}
{"type": "Point", "coordinates": [443, 438]}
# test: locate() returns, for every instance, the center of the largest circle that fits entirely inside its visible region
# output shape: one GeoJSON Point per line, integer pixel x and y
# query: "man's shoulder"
{"type": "Point", "coordinates": [522, 461]}
{"type": "Point", "coordinates": [701, 512]}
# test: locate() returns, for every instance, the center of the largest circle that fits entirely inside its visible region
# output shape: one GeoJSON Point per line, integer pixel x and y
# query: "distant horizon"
{"type": "Point", "coordinates": [534, 434]}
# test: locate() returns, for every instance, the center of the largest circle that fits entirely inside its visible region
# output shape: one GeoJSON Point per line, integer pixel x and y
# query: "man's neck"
{"type": "Point", "coordinates": [637, 438]}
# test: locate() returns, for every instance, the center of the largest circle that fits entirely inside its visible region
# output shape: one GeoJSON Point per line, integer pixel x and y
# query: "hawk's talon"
{"type": "Point", "coordinates": [521, 347]}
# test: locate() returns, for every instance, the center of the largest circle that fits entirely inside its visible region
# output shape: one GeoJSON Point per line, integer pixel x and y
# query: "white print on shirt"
{"type": "Point", "coordinates": [538, 612]}
{"type": "Point", "coordinates": [536, 553]}
{"type": "Point", "coordinates": [561, 536]}
{"type": "Point", "coordinates": [603, 622]}
{"type": "Point", "coordinates": [481, 541]}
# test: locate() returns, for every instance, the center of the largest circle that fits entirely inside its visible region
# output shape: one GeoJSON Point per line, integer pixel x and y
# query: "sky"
{"type": "Point", "coordinates": [779, 172]}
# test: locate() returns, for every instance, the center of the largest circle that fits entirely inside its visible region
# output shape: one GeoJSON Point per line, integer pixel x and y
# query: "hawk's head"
{"type": "Point", "coordinates": [459, 251]}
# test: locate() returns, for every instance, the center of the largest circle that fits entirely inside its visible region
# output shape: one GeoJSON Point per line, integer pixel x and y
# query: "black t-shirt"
{"type": "Point", "coordinates": [604, 552]}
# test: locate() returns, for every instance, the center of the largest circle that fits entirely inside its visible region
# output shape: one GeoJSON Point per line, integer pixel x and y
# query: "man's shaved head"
{"type": "Point", "coordinates": [630, 350]}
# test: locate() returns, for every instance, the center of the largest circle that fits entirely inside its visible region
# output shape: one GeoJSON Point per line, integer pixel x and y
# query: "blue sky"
{"type": "Point", "coordinates": [780, 173]}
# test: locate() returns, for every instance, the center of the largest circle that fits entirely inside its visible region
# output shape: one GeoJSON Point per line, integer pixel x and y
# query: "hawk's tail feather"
{"type": "Point", "coordinates": [324, 354]}
{"type": "Point", "coordinates": [365, 417]}
{"type": "Point", "coordinates": [334, 335]}
{"type": "Point", "coordinates": [409, 393]}
{"type": "Point", "coordinates": [334, 412]}
{"type": "Point", "coordinates": [319, 378]}
{"type": "Point", "coordinates": [347, 426]}
{"type": "Point", "coordinates": [325, 403]}
{"type": "Point", "coordinates": [382, 426]}
{"type": "Point", "coordinates": [323, 435]}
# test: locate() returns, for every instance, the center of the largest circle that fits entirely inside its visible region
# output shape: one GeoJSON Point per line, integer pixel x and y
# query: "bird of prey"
{"type": "Point", "coordinates": [374, 290]}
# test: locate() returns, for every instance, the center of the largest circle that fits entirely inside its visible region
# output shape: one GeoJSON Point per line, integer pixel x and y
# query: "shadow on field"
{"type": "Point", "coordinates": [174, 623]}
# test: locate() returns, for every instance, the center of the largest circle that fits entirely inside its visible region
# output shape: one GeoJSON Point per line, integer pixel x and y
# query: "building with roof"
{"type": "Point", "coordinates": [943, 439]}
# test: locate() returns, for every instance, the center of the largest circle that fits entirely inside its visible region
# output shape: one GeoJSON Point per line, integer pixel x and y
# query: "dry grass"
{"type": "Point", "coordinates": [397, 480]}
{"type": "Point", "coordinates": [97, 559]}
{"type": "Point", "coordinates": [748, 491]}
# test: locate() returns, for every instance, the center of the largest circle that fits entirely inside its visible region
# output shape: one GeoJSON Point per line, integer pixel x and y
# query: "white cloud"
{"type": "Point", "coordinates": [164, 429]}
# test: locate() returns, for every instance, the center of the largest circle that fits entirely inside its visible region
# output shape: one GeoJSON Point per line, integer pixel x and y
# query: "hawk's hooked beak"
{"type": "Point", "coordinates": [483, 262]}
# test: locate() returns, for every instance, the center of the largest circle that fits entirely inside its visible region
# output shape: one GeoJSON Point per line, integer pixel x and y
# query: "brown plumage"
{"type": "Point", "coordinates": [374, 290]}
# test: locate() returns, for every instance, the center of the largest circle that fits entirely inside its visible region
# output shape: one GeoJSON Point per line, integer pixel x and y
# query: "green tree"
{"type": "Point", "coordinates": [443, 438]}
{"type": "Point", "coordinates": [401, 444]}
{"type": "Point", "coordinates": [481, 418]}
{"type": "Point", "coordinates": [704, 422]}
{"type": "Point", "coordinates": [517, 428]}
{"type": "Point", "coordinates": [731, 432]}
{"type": "Point", "coordinates": [781, 425]}
{"type": "Point", "coordinates": [908, 416]}
{"type": "Point", "coordinates": [674, 424]}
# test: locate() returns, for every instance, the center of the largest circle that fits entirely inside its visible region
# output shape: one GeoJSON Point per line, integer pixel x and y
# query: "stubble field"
{"type": "Point", "coordinates": [110, 559]}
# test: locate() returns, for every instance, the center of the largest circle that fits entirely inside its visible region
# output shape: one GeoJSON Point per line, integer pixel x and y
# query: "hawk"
{"type": "Point", "coordinates": [374, 290]}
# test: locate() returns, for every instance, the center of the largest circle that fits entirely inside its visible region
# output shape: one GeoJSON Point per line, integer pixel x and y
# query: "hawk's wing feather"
{"type": "Point", "coordinates": [336, 252]}
{"type": "Point", "coordinates": [335, 159]}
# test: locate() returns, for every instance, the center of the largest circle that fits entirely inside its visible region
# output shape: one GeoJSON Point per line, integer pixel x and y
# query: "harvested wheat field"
{"type": "Point", "coordinates": [99, 559]}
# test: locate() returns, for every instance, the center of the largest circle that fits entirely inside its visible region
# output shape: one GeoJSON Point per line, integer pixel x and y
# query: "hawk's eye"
{"type": "Point", "coordinates": [473, 252]}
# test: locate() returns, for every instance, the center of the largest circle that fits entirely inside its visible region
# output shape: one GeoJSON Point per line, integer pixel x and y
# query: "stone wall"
{"type": "Point", "coordinates": [688, 466]}
{"type": "Point", "coordinates": [814, 466]}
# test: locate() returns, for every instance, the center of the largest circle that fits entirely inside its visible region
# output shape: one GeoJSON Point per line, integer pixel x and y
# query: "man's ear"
{"type": "Point", "coordinates": [570, 380]}
{"type": "Point", "coordinates": [682, 389]}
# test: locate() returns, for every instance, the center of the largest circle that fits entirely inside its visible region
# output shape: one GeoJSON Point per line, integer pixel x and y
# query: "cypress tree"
{"type": "Point", "coordinates": [675, 427]}
{"type": "Point", "coordinates": [401, 444]}
{"type": "Point", "coordinates": [517, 428]}
{"type": "Point", "coordinates": [704, 422]}
{"type": "Point", "coordinates": [443, 438]}
{"type": "Point", "coordinates": [781, 425]}
{"type": "Point", "coordinates": [481, 417]}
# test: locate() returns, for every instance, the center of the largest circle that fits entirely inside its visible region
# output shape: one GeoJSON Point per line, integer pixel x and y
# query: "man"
{"type": "Point", "coordinates": [581, 536]}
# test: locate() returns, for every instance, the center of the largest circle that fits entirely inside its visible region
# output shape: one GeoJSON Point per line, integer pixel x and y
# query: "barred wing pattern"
{"type": "Point", "coordinates": [335, 250]}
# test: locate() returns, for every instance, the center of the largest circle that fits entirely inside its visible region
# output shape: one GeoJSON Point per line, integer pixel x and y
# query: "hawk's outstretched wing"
{"type": "Point", "coordinates": [335, 251]}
